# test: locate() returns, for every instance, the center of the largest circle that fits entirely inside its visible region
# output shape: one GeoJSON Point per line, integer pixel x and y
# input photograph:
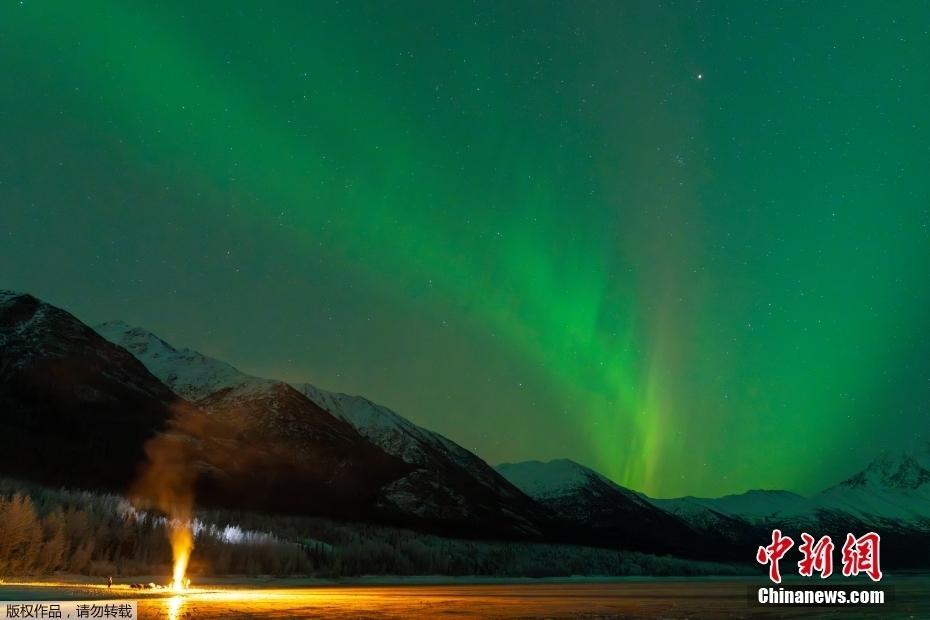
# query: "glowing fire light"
{"type": "Point", "coordinates": [175, 603]}
{"type": "Point", "coordinates": [182, 542]}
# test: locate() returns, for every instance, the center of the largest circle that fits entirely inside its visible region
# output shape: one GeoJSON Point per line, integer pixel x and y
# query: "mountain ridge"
{"type": "Point", "coordinates": [447, 484]}
{"type": "Point", "coordinates": [362, 459]}
{"type": "Point", "coordinates": [80, 408]}
{"type": "Point", "coordinates": [586, 498]}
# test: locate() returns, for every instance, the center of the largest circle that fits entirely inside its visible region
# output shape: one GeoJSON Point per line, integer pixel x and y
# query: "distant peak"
{"type": "Point", "coordinates": [115, 324]}
{"type": "Point", "coordinates": [561, 463]}
{"type": "Point", "coordinates": [895, 469]}
{"type": "Point", "coordinates": [130, 336]}
{"type": "Point", "coordinates": [769, 493]}
{"type": "Point", "coordinates": [555, 477]}
{"type": "Point", "coordinates": [121, 326]}
{"type": "Point", "coordinates": [8, 294]}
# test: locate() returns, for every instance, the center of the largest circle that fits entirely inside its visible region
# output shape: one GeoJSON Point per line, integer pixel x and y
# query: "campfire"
{"type": "Point", "coordinates": [182, 543]}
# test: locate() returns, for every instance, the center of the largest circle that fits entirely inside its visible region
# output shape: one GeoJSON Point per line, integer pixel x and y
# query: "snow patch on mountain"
{"type": "Point", "coordinates": [752, 505]}
{"type": "Point", "coordinates": [399, 436]}
{"type": "Point", "coordinates": [188, 373]}
{"type": "Point", "coordinates": [559, 478]}
{"type": "Point", "coordinates": [8, 295]}
{"type": "Point", "coordinates": [32, 328]}
{"type": "Point", "coordinates": [379, 424]}
{"type": "Point", "coordinates": [443, 484]}
{"type": "Point", "coordinates": [544, 480]}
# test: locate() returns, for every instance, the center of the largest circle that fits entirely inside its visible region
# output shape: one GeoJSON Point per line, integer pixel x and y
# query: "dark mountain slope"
{"type": "Point", "coordinates": [74, 408]}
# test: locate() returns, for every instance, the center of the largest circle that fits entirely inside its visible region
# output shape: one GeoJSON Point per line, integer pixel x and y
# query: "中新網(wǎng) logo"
{"type": "Point", "coordinates": [859, 555]}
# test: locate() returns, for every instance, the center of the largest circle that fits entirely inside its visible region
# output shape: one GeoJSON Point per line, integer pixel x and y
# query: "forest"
{"type": "Point", "coordinates": [45, 531]}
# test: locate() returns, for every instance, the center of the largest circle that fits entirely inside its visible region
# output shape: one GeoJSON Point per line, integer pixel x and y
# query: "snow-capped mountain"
{"type": "Point", "coordinates": [449, 478]}
{"type": "Point", "coordinates": [74, 408]}
{"type": "Point", "coordinates": [585, 498]}
{"type": "Point", "coordinates": [890, 496]}
{"type": "Point", "coordinates": [893, 491]}
{"type": "Point", "coordinates": [92, 404]}
{"type": "Point", "coordinates": [188, 373]}
{"type": "Point", "coordinates": [274, 406]}
{"type": "Point", "coordinates": [753, 506]}
{"type": "Point", "coordinates": [737, 518]}
{"type": "Point", "coordinates": [396, 434]}
{"type": "Point", "coordinates": [444, 484]}
{"type": "Point", "coordinates": [561, 478]}
{"type": "Point", "coordinates": [258, 426]}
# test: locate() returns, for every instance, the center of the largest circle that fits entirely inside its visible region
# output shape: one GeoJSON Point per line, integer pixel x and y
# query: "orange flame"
{"type": "Point", "coordinates": [182, 542]}
{"type": "Point", "coordinates": [167, 483]}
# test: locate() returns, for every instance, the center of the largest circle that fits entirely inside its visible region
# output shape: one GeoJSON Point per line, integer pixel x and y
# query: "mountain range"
{"type": "Point", "coordinates": [85, 407]}
{"type": "Point", "coordinates": [441, 484]}
{"type": "Point", "coordinates": [891, 493]}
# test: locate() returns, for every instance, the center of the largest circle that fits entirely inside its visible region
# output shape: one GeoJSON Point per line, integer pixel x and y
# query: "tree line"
{"type": "Point", "coordinates": [43, 531]}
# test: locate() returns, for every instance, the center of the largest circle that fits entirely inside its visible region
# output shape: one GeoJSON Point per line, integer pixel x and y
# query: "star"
{"type": "Point", "coordinates": [700, 76]}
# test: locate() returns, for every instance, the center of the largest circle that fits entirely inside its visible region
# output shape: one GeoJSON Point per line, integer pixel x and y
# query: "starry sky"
{"type": "Point", "coordinates": [684, 243]}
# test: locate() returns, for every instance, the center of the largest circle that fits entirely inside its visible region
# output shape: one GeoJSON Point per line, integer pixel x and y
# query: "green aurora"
{"type": "Point", "coordinates": [685, 244]}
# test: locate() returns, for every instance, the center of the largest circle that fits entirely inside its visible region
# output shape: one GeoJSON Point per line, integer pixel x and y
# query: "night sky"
{"type": "Point", "coordinates": [686, 244]}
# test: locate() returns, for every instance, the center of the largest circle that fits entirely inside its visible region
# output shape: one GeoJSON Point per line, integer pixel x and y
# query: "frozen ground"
{"type": "Point", "coordinates": [665, 598]}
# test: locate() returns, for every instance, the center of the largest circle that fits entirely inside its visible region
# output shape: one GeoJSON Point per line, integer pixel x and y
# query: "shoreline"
{"type": "Point", "coordinates": [121, 585]}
